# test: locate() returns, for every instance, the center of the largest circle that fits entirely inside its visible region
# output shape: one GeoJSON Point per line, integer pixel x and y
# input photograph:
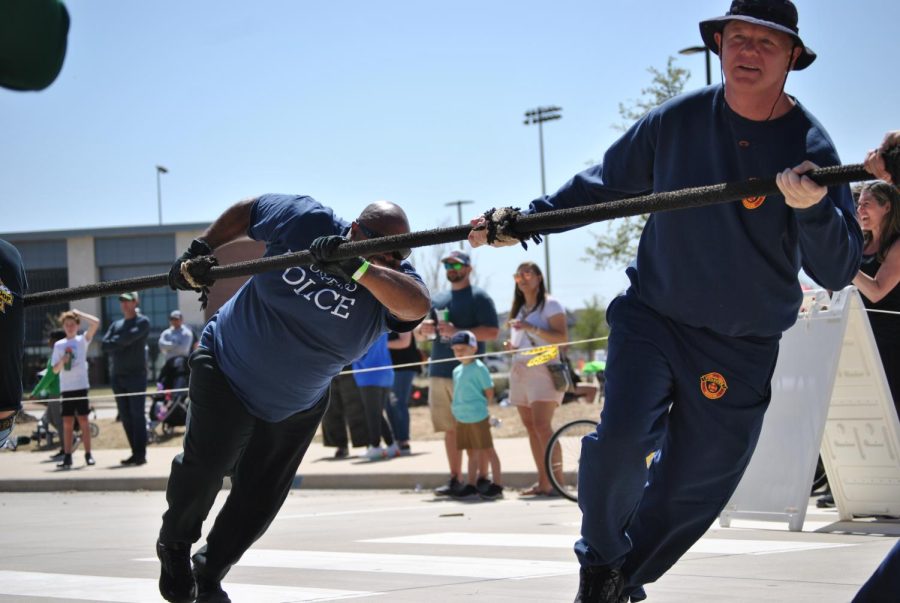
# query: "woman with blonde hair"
{"type": "Point", "coordinates": [69, 361]}
{"type": "Point", "coordinates": [536, 319]}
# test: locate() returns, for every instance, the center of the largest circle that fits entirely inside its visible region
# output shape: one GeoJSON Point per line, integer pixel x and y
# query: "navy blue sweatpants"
{"type": "Point", "coordinates": [696, 396]}
{"type": "Point", "coordinates": [884, 585]}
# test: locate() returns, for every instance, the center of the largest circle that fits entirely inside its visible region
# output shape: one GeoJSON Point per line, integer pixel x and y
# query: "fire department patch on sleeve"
{"type": "Point", "coordinates": [752, 202]}
{"type": "Point", "coordinates": [713, 385]}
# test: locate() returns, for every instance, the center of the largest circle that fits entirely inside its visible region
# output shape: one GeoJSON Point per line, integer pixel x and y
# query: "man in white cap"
{"type": "Point", "coordinates": [693, 342]}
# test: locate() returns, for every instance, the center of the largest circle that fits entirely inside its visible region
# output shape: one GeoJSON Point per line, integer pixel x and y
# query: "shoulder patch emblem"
{"type": "Point", "coordinates": [752, 202]}
{"type": "Point", "coordinates": [713, 385]}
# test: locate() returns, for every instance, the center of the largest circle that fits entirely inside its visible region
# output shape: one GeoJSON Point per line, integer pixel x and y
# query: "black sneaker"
{"type": "Point", "coordinates": [66, 462]}
{"type": "Point", "coordinates": [341, 453]}
{"type": "Point", "coordinates": [449, 488]}
{"type": "Point", "coordinates": [89, 459]}
{"type": "Point", "coordinates": [128, 461]}
{"type": "Point", "coordinates": [483, 484]}
{"type": "Point", "coordinates": [58, 456]}
{"type": "Point", "coordinates": [209, 591]}
{"type": "Point", "coordinates": [467, 491]}
{"type": "Point", "coordinates": [492, 492]}
{"type": "Point", "coordinates": [599, 585]}
{"type": "Point", "coordinates": [176, 580]}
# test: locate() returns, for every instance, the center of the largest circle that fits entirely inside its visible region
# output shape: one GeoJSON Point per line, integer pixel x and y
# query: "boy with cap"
{"type": "Point", "coordinates": [693, 342]}
{"type": "Point", "coordinates": [473, 390]}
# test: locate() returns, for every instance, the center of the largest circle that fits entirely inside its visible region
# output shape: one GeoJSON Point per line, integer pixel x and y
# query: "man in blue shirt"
{"type": "Point", "coordinates": [260, 378]}
{"type": "Point", "coordinates": [465, 308]}
{"type": "Point", "coordinates": [693, 342]}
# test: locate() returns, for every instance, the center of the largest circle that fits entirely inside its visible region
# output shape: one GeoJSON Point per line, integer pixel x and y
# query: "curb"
{"type": "Point", "coordinates": [318, 481]}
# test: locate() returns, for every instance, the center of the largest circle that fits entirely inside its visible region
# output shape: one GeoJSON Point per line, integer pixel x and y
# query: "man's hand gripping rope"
{"type": "Point", "coordinates": [497, 227]}
{"type": "Point", "coordinates": [191, 271]}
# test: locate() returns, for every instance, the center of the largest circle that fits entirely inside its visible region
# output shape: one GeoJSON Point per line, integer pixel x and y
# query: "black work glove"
{"type": "Point", "coordinates": [322, 247]}
{"type": "Point", "coordinates": [198, 248]}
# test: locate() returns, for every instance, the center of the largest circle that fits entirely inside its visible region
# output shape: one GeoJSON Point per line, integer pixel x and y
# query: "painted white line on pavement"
{"type": "Point", "coordinates": [418, 565]}
{"type": "Point", "coordinates": [544, 541]}
{"type": "Point", "coordinates": [723, 546]}
{"type": "Point", "coordinates": [143, 590]}
{"type": "Point", "coordinates": [313, 515]}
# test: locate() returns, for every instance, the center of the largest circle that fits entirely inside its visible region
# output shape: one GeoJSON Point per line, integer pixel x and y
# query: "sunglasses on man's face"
{"type": "Point", "coordinates": [400, 254]}
{"type": "Point", "coordinates": [453, 265]}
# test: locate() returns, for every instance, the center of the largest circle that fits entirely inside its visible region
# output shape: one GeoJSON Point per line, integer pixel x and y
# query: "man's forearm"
{"type": "Point", "coordinates": [232, 224]}
{"type": "Point", "coordinates": [402, 295]}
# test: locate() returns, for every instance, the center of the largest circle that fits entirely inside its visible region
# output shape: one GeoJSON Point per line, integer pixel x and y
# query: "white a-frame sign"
{"type": "Point", "coordinates": [829, 392]}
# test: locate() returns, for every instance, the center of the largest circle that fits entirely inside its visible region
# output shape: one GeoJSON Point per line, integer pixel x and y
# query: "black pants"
{"type": "Point", "coordinates": [344, 410]}
{"type": "Point", "coordinates": [222, 438]}
{"type": "Point", "coordinates": [131, 401]}
{"type": "Point", "coordinates": [375, 400]}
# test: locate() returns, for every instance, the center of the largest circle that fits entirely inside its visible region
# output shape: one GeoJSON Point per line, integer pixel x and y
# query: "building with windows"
{"type": "Point", "coordinates": [71, 258]}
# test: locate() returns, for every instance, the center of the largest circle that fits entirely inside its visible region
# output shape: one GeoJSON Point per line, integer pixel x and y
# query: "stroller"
{"type": "Point", "coordinates": [168, 410]}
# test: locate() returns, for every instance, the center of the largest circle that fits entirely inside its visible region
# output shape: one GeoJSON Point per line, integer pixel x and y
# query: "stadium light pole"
{"type": "Point", "coordinates": [458, 205]}
{"type": "Point", "coordinates": [539, 116]}
{"type": "Point", "coordinates": [704, 50]}
{"type": "Point", "coordinates": [159, 170]}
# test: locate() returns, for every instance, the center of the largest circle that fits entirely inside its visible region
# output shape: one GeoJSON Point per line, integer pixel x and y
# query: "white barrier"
{"type": "Point", "coordinates": [827, 359]}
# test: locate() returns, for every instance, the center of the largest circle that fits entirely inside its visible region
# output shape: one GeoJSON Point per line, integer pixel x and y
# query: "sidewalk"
{"type": "Point", "coordinates": [28, 471]}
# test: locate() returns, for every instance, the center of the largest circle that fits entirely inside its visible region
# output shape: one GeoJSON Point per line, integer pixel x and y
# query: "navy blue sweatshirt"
{"type": "Point", "coordinates": [125, 341]}
{"type": "Point", "coordinates": [733, 267]}
{"type": "Point", "coordinates": [13, 286]}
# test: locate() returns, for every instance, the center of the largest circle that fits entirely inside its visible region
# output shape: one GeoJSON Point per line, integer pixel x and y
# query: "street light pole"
{"type": "Point", "coordinates": [704, 50]}
{"type": "Point", "coordinates": [539, 116]}
{"type": "Point", "coordinates": [458, 205]}
{"type": "Point", "coordinates": [159, 170]}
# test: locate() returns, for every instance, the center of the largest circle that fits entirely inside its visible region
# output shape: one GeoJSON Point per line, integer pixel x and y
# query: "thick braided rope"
{"type": "Point", "coordinates": [577, 216]}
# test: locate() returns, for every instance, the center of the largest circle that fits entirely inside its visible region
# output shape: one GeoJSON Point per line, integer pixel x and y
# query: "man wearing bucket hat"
{"type": "Point", "coordinates": [693, 342]}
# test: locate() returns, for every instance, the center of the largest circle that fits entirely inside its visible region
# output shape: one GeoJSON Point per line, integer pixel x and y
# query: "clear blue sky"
{"type": "Point", "coordinates": [415, 102]}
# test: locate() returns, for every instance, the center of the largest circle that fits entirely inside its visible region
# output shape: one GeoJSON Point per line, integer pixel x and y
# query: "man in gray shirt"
{"type": "Point", "coordinates": [178, 339]}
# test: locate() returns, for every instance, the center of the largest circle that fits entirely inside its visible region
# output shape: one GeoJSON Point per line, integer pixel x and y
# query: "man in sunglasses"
{"type": "Point", "coordinates": [467, 308]}
{"type": "Point", "coordinates": [260, 378]}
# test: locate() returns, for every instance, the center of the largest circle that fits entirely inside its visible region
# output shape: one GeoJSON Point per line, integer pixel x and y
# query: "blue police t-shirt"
{"type": "Point", "coordinates": [286, 333]}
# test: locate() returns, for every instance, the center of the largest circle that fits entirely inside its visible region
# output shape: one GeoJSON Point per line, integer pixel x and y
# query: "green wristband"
{"type": "Point", "coordinates": [360, 271]}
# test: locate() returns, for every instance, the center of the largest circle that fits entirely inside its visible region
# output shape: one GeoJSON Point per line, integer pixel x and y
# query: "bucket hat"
{"type": "Point", "coordinates": [780, 15]}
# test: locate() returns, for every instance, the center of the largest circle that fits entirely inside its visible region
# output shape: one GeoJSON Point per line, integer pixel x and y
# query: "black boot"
{"type": "Point", "coordinates": [176, 580]}
{"type": "Point", "coordinates": [599, 585]}
{"type": "Point", "coordinates": [209, 590]}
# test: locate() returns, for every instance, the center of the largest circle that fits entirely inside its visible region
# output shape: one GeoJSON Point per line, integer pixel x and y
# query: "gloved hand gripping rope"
{"type": "Point", "coordinates": [191, 271]}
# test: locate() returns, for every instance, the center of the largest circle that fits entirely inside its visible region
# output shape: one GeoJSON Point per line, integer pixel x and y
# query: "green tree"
{"type": "Point", "coordinates": [618, 245]}
{"type": "Point", "coordinates": [590, 323]}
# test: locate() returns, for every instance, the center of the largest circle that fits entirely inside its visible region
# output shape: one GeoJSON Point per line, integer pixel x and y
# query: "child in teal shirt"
{"type": "Point", "coordinates": [473, 389]}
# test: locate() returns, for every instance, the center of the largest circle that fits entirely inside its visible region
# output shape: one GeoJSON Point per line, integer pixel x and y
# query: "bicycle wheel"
{"type": "Point", "coordinates": [563, 454]}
